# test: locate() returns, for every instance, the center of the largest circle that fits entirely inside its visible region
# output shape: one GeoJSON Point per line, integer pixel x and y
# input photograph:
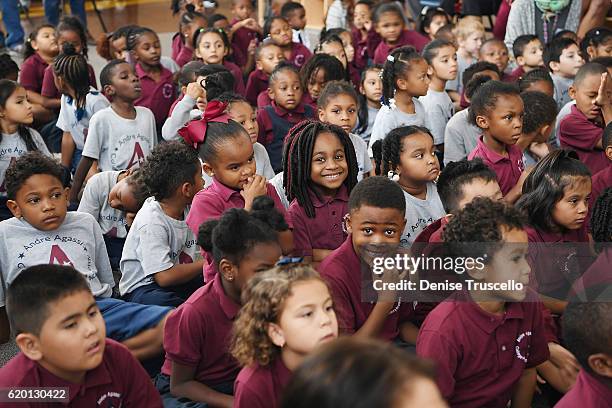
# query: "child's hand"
{"type": "Point", "coordinates": [252, 47]}
{"type": "Point", "coordinates": [256, 186]}
{"type": "Point", "coordinates": [250, 23]}
{"type": "Point", "coordinates": [194, 90]}
{"type": "Point", "coordinates": [603, 94]}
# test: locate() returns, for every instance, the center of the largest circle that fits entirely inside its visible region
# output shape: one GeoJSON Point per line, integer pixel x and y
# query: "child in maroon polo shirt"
{"type": "Point", "coordinates": [52, 310]}
{"type": "Point", "coordinates": [487, 343]}
{"type": "Point", "coordinates": [280, 32]}
{"type": "Point", "coordinates": [182, 42]}
{"type": "Point", "coordinates": [245, 33]}
{"type": "Point", "coordinates": [365, 38]}
{"type": "Point", "coordinates": [582, 129]}
{"type": "Point", "coordinates": [198, 364]}
{"type": "Point", "coordinates": [267, 57]}
{"type": "Point", "coordinates": [375, 224]}
{"type": "Point", "coordinates": [272, 338]}
{"type": "Point", "coordinates": [603, 179]}
{"type": "Point", "coordinates": [497, 109]}
{"type": "Point", "coordinates": [587, 331]}
{"type": "Point", "coordinates": [41, 48]}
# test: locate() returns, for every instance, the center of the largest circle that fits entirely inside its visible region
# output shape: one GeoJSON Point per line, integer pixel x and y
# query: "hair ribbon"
{"type": "Point", "coordinates": [194, 133]}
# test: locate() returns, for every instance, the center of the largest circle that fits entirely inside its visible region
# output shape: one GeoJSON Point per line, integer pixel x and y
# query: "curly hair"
{"type": "Point", "coordinates": [169, 166]}
{"type": "Point", "coordinates": [395, 67]}
{"type": "Point", "coordinates": [601, 218]}
{"type": "Point", "coordinates": [26, 166]}
{"type": "Point", "coordinates": [137, 186]}
{"type": "Point", "coordinates": [263, 300]}
{"type": "Point", "coordinates": [456, 175]}
{"type": "Point", "coordinates": [389, 155]}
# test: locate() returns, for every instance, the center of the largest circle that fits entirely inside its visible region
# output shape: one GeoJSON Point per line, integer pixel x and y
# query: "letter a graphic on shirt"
{"type": "Point", "coordinates": [2, 186]}
{"type": "Point", "coordinates": [138, 156]}
{"type": "Point", "coordinates": [59, 257]}
{"type": "Point", "coordinates": [184, 258]}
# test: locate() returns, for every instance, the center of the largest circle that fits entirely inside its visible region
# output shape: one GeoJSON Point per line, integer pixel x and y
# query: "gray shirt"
{"type": "Point", "coordinates": [77, 122]}
{"type": "Point", "coordinates": [156, 242]}
{"type": "Point", "coordinates": [421, 213]}
{"type": "Point", "coordinates": [95, 202]}
{"type": "Point", "coordinates": [565, 110]}
{"type": "Point", "coordinates": [182, 113]}
{"type": "Point", "coordinates": [439, 107]}
{"type": "Point", "coordinates": [561, 90]}
{"type": "Point", "coordinates": [460, 137]}
{"type": "Point", "coordinates": [77, 242]}
{"type": "Point", "coordinates": [372, 113]}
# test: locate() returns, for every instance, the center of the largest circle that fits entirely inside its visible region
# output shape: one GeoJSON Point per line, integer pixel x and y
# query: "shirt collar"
{"type": "Point", "coordinates": [284, 112]}
{"type": "Point", "coordinates": [484, 320]}
{"type": "Point", "coordinates": [492, 156]}
{"type": "Point", "coordinates": [224, 191]}
{"type": "Point", "coordinates": [318, 202]}
{"type": "Point", "coordinates": [259, 74]}
{"type": "Point", "coordinates": [228, 306]}
{"type": "Point", "coordinates": [141, 73]}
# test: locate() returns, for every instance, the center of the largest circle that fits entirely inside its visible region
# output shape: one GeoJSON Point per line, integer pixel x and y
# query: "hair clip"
{"type": "Point", "coordinates": [390, 58]}
{"type": "Point", "coordinates": [288, 260]}
{"type": "Point", "coordinates": [393, 176]}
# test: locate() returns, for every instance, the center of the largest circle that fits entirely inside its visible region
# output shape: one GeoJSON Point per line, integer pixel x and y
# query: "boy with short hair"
{"type": "Point", "coordinates": [61, 334]}
{"type": "Point", "coordinates": [562, 58]}
{"type": "Point", "coordinates": [538, 124]}
{"type": "Point", "coordinates": [470, 34]}
{"type": "Point", "coordinates": [487, 343]}
{"type": "Point", "coordinates": [295, 14]}
{"type": "Point", "coordinates": [158, 264]}
{"type": "Point", "coordinates": [43, 232]}
{"type": "Point", "coordinates": [527, 50]}
{"type": "Point", "coordinates": [582, 129]}
{"type": "Point", "coordinates": [495, 51]}
{"type": "Point", "coordinates": [587, 331]}
{"type": "Point", "coordinates": [267, 57]}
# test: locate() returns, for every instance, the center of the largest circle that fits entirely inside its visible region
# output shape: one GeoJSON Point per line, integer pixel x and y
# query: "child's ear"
{"type": "Point", "coordinates": [270, 93]}
{"type": "Point", "coordinates": [482, 122]}
{"type": "Point", "coordinates": [14, 208]}
{"type": "Point", "coordinates": [207, 168]}
{"type": "Point", "coordinates": [258, 65]}
{"type": "Point", "coordinates": [275, 333]}
{"type": "Point", "coordinates": [601, 363]}
{"type": "Point", "coordinates": [520, 61]}
{"type": "Point", "coordinates": [590, 52]}
{"type": "Point", "coordinates": [430, 70]}
{"type": "Point", "coordinates": [183, 89]}
{"type": "Point", "coordinates": [227, 269]}
{"type": "Point", "coordinates": [401, 84]}
{"type": "Point", "coordinates": [321, 113]}
{"type": "Point", "coordinates": [572, 91]}
{"type": "Point", "coordinates": [29, 345]}
{"type": "Point", "coordinates": [196, 51]}
{"type": "Point", "coordinates": [347, 223]}
{"type": "Point", "coordinates": [554, 66]}
{"type": "Point", "coordinates": [478, 273]}
{"type": "Point", "coordinates": [108, 90]}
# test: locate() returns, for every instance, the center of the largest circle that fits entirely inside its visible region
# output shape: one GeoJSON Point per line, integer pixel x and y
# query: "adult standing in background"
{"type": "Point", "coordinates": [52, 11]}
{"type": "Point", "coordinates": [12, 24]}
{"type": "Point", "coordinates": [338, 14]}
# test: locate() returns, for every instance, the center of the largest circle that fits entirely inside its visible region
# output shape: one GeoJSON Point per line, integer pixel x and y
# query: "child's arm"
{"type": "Point", "coordinates": [516, 191]}
{"type": "Point", "coordinates": [79, 176]}
{"type": "Point", "coordinates": [180, 114]}
{"type": "Point", "coordinates": [51, 103]}
{"type": "Point", "coordinates": [183, 384]}
{"type": "Point", "coordinates": [178, 274]}
{"type": "Point", "coordinates": [524, 389]}
{"type": "Point", "coordinates": [67, 149]}
{"type": "Point", "coordinates": [409, 332]}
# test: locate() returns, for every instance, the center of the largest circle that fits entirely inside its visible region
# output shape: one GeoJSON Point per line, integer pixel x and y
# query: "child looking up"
{"type": "Point", "coordinates": [286, 110]}
{"type": "Point", "coordinates": [389, 23]}
{"type": "Point", "coordinates": [562, 58]}
{"type": "Point", "coordinates": [470, 34]}
{"type": "Point", "coordinates": [267, 57]}
{"type": "Point", "coordinates": [318, 71]}
{"type": "Point", "coordinates": [122, 135]}
{"type": "Point", "coordinates": [287, 313]}
{"type": "Point", "coordinates": [52, 310]}
{"type": "Point", "coordinates": [158, 264]}
{"type": "Point", "coordinates": [199, 366]}
{"type": "Point", "coordinates": [279, 30]}
{"type": "Point", "coordinates": [404, 79]}
{"type": "Point", "coordinates": [527, 50]}
{"type": "Point", "coordinates": [497, 109]}
{"type": "Point", "coordinates": [370, 91]}
{"type": "Point", "coordinates": [182, 42]}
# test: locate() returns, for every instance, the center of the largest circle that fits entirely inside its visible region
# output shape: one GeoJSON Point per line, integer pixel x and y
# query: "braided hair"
{"type": "Point", "coordinates": [297, 160]}
{"type": "Point", "coordinates": [188, 17]}
{"type": "Point", "coordinates": [331, 66]}
{"type": "Point", "coordinates": [396, 65]}
{"type": "Point", "coordinates": [533, 76]}
{"type": "Point", "coordinates": [72, 68]}
{"type": "Point", "coordinates": [134, 35]}
{"type": "Point", "coordinates": [391, 150]}
{"type": "Point", "coordinates": [601, 219]}
{"type": "Point", "coordinates": [7, 88]}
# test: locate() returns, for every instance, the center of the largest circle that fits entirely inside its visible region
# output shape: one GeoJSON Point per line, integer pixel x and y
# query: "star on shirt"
{"type": "Point", "coordinates": [21, 255]}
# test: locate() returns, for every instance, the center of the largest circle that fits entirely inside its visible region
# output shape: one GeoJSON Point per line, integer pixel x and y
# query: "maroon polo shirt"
{"type": "Point", "coordinates": [307, 100]}
{"type": "Point", "coordinates": [507, 169]}
{"type": "Point", "coordinates": [342, 270]}
{"type": "Point", "coordinates": [256, 84]}
{"type": "Point", "coordinates": [407, 37]}
{"type": "Point", "coordinates": [237, 73]}
{"type": "Point", "coordinates": [240, 43]}
{"type": "Point", "coordinates": [480, 356]}
{"type": "Point", "coordinates": [263, 99]}
{"type": "Point", "coordinates": [300, 54]}
{"type": "Point", "coordinates": [266, 126]}
{"type": "Point", "coordinates": [211, 202]}
{"type": "Point", "coordinates": [119, 381]}
{"type": "Point", "coordinates": [515, 74]}
{"type": "Point", "coordinates": [261, 387]}
{"type": "Point", "coordinates": [581, 135]}
{"type": "Point", "coordinates": [324, 231]}
{"type": "Point", "coordinates": [180, 53]}
{"type": "Point", "coordinates": [600, 181]}
{"type": "Point", "coordinates": [587, 392]}
{"type": "Point", "coordinates": [32, 73]}
{"type": "Point", "coordinates": [49, 90]}
{"type": "Point", "coordinates": [198, 334]}
{"type": "Point", "coordinates": [364, 47]}
{"type": "Point", "coordinates": [157, 96]}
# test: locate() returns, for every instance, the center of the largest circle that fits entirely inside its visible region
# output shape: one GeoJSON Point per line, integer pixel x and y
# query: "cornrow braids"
{"type": "Point", "coordinates": [188, 17]}
{"type": "Point", "coordinates": [392, 145]}
{"type": "Point", "coordinates": [70, 23]}
{"type": "Point", "coordinates": [397, 64]}
{"type": "Point", "coordinates": [533, 76]}
{"type": "Point", "coordinates": [7, 88]}
{"type": "Point", "coordinates": [134, 35]}
{"type": "Point", "coordinates": [297, 159]}
{"type": "Point", "coordinates": [601, 219]}
{"type": "Point", "coordinates": [72, 67]}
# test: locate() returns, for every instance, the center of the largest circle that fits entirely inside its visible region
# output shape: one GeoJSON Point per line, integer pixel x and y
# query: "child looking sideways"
{"type": "Point", "coordinates": [158, 264]}
{"type": "Point", "coordinates": [431, 20]}
{"type": "Point", "coordinates": [279, 30]}
{"type": "Point", "coordinates": [182, 42]}
{"type": "Point", "coordinates": [267, 57]}
{"type": "Point", "coordinates": [527, 50]}
{"type": "Point", "coordinates": [370, 91]}
{"type": "Point", "coordinates": [562, 58]}
{"type": "Point", "coordinates": [287, 314]}
{"type": "Point", "coordinates": [41, 49]}
{"type": "Point", "coordinates": [538, 124]}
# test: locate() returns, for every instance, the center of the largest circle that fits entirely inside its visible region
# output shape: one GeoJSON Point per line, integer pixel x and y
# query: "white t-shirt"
{"type": "Point", "coordinates": [439, 107]}
{"type": "Point", "coordinates": [155, 242]}
{"type": "Point", "coordinates": [421, 213]}
{"type": "Point", "coordinates": [12, 147]}
{"type": "Point", "coordinates": [392, 118]}
{"type": "Point", "coordinates": [277, 182]}
{"type": "Point", "coordinates": [95, 202]}
{"type": "Point", "coordinates": [460, 137]}
{"type": "Point", "coordinates": [76, 121]}
{"type": "Point", "coordinates": [77, 242]}
{"type": "Point", "coordinates": [119, 143]}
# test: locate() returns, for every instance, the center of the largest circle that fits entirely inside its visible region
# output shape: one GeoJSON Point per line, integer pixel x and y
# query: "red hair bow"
{"type": "Point", "coordinates": [194, 133]}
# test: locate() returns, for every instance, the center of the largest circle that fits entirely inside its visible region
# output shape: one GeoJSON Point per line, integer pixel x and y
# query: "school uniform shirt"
{"type": "Point", "coordinates": [211, 202]}
{"type": "Point", "coordinates": [49, 90]}
{"type": "Point", "coordinates": [597, 279]}
{"type": "Point", "coordinates": [364, 47]}
{"type": "Point", "coordinates": [180, 54]}
{"type": "Point", "coordinates": [365, 135]}
{"type": "Point", "coordinates": [580, 134]}
{"type": "Point", "coordinates": [155, 242]}
{"type": "Point", "coordinates": [12, 147]}
{"type": "Point", "coordinates": [198, 334]}
{"type": "Point", "coordinates": [566, 110]}
{"type": "Point", "coordinates": [237, 73]}
{"type": "Point", "coordinates": [600, 181]}
{"type": "Point", "coordinates": [182, 111]}
{"type": "Point", "coordinates": [343, 271]}
{"type": "Point", "coordinates": [95, 202]}
{"type": "Point", "coordinates": [407, 37]}
{"type": "Point", "coordinates": [325, 230]}
{"type": "Point", "coordinates": [118, 381]}
{"type": "Point", "coordinates": [460, 137]}
{"type": "Point", "coordinates": [507, 169]}
{"type": "Point", "coordinates": [516, 74]}
{"type": "Point", "coordinates": [261, 387]}
{"type": "Point", "coordinates": [119, 143]}
{"type": "Point", "coordinates": [439, 107]}
{"type": "Point", "coordinates": [76, 120]}
{"type": "Point", "coordinates": [256, 84]}
{"type": "Point", "coordinates": [299, 55]}
{"type": "Point", "coordinates": [157, 96]}
{"type": "Point", "coordinates": [480, 356]}
{"type": "Point", "coordinates": [240, 43]}
{"type": "Point", "coordinates": [561, 89]}
{"type": "Point", "coordinates": [390, 118]}
{"type": "Point", "coordinates": [588, 391]}
{"type": "Point", "coordinates": [262, 163]}
{"type": "Point", "coordinates": [77, 242]}
{"type": "Point", "coordinates": [421, 213]}
{"type": "Point", "coordinates": [433, 232]}
{"type": "Point", "coordinates": [300, 37]}
{"type": "Point", "coordinates": [32, 72]}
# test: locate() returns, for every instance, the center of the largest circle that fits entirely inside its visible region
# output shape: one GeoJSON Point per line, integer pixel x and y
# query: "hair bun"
{"type": "Point", "coordinates": [69, 49]}
{"type": "Point", "coordinates": [263, 203]}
